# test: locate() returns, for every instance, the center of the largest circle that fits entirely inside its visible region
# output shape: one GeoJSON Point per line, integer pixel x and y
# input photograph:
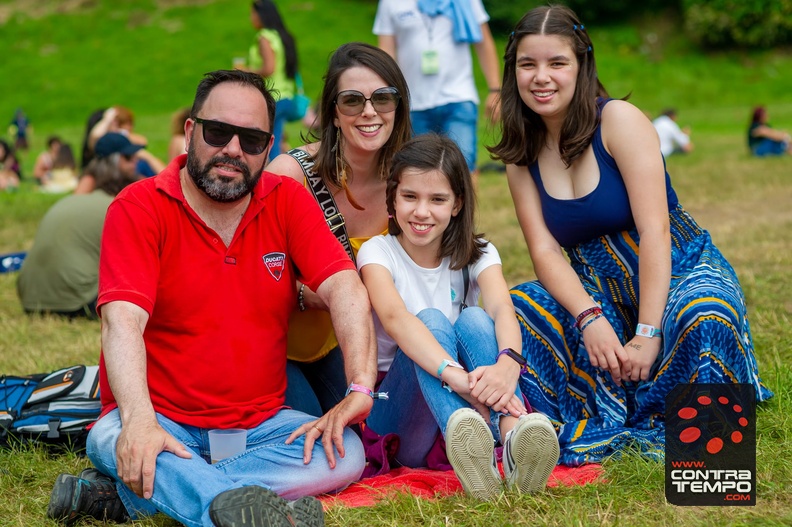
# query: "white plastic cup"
{"type": "Point", "coordinates": [226, 442]}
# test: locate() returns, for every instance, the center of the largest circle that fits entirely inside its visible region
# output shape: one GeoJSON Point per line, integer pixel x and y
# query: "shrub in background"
{"type": "Point", "coordinates": [739, 23]}
{"type": "Point", "coordinates": [505, 15]}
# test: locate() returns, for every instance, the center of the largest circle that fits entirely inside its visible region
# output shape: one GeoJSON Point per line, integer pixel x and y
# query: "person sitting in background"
{"type": "Point", "coordinates": [63, 176]}
{"type": "Point", "coordinates": [46, 158]}
{"type": "Point", "coordinates": [87, 182]}
{"type": "Point", "coordinates": [60, 273]}
{"type": "Point", "coordinates": [763, 140]}
{"type": "Point", "coordinates": [176, 147]}
{"type": "Point", "coordinates": [117, 119]}
{"type": "Point", "coordinates": [9, 167]}
{"type": "Point", "coordinates": [673, 139]}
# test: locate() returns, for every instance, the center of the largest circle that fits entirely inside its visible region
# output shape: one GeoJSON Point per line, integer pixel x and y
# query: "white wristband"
{"type": "Point", "coordinates": [645, 330]}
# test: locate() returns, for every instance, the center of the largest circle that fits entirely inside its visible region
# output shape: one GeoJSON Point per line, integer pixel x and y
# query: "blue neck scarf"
{"type": "Point", "coordinates": [459, 11]}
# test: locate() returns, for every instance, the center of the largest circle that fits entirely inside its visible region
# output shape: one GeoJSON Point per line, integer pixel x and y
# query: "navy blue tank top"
{"type": "Point", "coordinates": [605, 210]}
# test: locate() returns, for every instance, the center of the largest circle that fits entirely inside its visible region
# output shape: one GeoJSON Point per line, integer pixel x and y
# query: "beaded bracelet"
{"type": "Point", "coordinates": [590, 320]}
{"type": "Point", "coordinates": [301, 298]}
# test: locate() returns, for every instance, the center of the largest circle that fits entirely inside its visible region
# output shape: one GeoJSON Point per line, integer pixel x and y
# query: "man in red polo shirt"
{"type": "Point", "coordinates": [196, 284]}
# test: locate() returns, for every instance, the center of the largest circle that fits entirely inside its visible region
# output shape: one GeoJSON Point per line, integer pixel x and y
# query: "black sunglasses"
{"type": "Point", "coordinates": [218, 134]}
{"type": "Point", "coordinates": [352, 102]}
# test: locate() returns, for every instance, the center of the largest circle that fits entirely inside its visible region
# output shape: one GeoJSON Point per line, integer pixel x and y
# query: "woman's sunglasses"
{"type": "Point", "coordinates": [218, 134]}
{"type": "Point", "coordinates": [352, 102]}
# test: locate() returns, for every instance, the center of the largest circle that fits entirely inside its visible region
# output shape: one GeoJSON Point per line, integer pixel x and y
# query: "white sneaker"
{"type": "Point", "coordinates": [471, 450]}
{"type": "Point", "coordinates": [530, 452]}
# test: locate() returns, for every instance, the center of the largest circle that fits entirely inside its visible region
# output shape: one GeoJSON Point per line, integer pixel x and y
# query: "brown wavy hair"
{"type": "Point", "coordinates": [523, 133]}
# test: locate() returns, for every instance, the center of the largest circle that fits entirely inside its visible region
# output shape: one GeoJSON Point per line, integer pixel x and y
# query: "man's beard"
{"type": "Point", "coordinates": [220, 189]}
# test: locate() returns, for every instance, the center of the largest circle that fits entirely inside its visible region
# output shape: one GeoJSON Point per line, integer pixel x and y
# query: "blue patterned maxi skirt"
{"type": "Point", "coordinates": [706, 339]}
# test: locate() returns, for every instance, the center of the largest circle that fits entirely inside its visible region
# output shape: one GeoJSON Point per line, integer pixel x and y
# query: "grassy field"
{"type": "Point", "coordinates": [61, 60]}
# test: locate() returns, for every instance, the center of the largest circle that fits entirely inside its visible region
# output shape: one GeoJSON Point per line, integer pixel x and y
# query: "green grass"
{"type": "Point", "coordinates": [149, 55]}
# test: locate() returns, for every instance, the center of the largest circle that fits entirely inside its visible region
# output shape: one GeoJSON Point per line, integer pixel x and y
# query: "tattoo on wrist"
{"type": "Point", "coordinates": [636, 346]}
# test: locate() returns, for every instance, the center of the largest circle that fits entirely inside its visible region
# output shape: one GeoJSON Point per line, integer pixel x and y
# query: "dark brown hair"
{"type": "Point", "coordinates": [367, 56]}
{"type": "Point", "coordinates": [436, 152]}
{"type": "Point", "coordinates": [243, 78]}
{"type": "Point", "coordinates": [523, 131]}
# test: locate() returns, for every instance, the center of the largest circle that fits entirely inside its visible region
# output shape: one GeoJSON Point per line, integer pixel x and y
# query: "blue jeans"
{"type": "Point", "coordinates": [184, 488]}
{"type": "Point", "coordinates": [457, 120]}
{"type": "Point", "coordinates": [419, 407]}
{"type": "Point", "coordinates": [769, 147]}
{"type": "Point", "coordinates": [315, 387]}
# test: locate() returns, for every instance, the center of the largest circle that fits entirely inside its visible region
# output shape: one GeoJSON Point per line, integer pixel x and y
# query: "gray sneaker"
{"type": "Point", "coordinates": [471, 450]}
{"type": "Point", "coordinates": [250, 506]}
{"type": "Point", "coordinates": [530, 453]}
{"type": "Point", "coordinates": [308, 512]}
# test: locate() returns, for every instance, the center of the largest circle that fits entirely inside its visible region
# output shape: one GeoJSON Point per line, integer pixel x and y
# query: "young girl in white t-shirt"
{"type": "Point", "coordinates": [445, 365]}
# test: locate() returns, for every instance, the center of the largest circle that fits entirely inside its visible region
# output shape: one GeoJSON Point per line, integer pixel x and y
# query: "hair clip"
{"type": "Point", "coordinates": [589, 48]}
{"type": "Point", "coordinates": [390, 216]}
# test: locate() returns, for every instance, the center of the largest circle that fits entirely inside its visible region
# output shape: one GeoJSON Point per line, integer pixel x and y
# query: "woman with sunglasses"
{"type": "Point", "coordinates": [364, 118]}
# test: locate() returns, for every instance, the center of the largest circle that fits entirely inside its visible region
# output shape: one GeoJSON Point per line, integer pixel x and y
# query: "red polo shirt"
{"type": "Point", "coordinates": [216, 334]}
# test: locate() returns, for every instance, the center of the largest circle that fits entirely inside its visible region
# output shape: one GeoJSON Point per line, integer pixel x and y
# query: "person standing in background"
{"type": "Point", "coordinates": [430, 39]}
{"type": "Point", "coordinates": [274, 57]}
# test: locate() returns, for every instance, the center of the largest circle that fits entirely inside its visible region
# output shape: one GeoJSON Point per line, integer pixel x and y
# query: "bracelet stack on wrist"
{"type": "Point", "coordinates": [585, 318]}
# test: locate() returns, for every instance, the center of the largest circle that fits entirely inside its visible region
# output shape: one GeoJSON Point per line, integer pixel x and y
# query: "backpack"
{"type": "Point", "coordinates": [53, 408]}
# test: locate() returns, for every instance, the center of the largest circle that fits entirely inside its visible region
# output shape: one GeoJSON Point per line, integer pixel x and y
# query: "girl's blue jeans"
{"type": "Point", "coordinates": [419, 406]}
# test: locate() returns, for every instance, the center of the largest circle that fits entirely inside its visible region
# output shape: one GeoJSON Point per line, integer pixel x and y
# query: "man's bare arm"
{"type": "Point", "coordinates": [141, 439]}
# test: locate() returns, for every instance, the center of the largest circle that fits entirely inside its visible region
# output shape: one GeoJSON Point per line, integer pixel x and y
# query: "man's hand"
{"type": "Point", "coordinates": [354, 408]}
{"type": "Point", "coordinates": [136, 455]}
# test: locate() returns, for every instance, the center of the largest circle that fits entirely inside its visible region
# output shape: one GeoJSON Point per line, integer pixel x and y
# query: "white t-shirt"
{"type": "Point", "coordinates": [421, 288]}
{"type": "Point", "coordinates": [672, 138]}
{"type": "Point", "coordinates": [416, 33]}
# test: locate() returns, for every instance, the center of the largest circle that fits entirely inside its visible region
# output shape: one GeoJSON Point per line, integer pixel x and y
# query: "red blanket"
{"type": "Point", "coordinates": [432, 483]}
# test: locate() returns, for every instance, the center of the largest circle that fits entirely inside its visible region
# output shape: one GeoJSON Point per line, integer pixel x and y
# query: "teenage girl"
{"type": "Point", "coordinates": [437, 359]}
